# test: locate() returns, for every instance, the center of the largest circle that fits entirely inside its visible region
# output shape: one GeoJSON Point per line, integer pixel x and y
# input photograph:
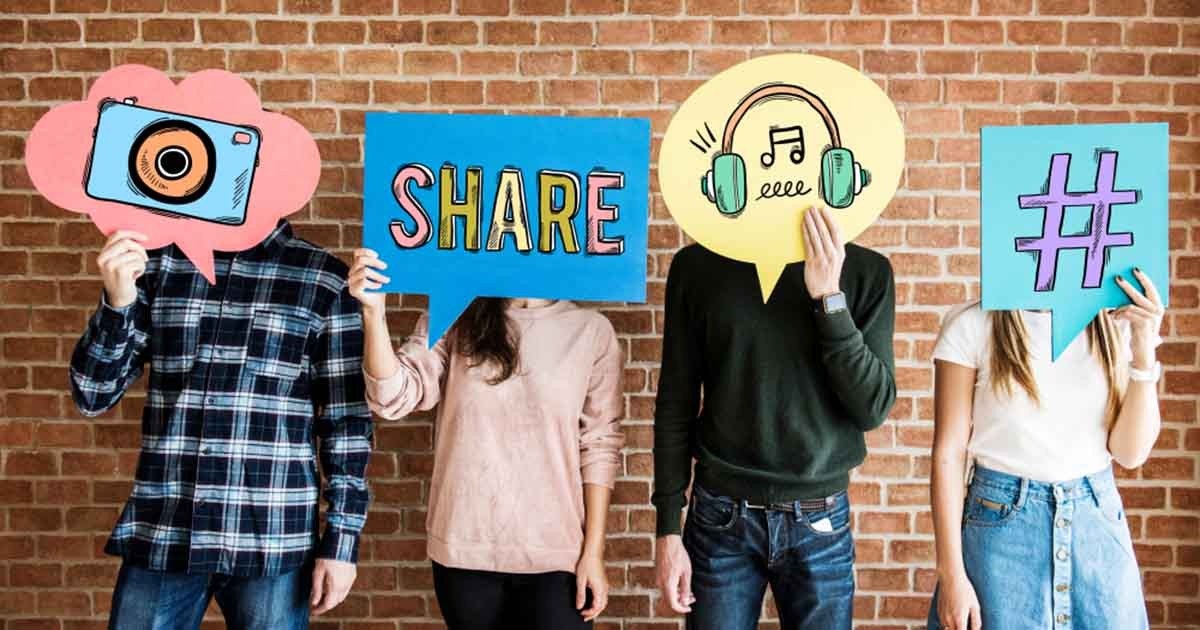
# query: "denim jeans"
{"type": "Point", "coordinates": [1050, 556]}
{"type": "Point", "coordinates": [154, 600]}
{"type": "Point", "coordinates": [804, 552]}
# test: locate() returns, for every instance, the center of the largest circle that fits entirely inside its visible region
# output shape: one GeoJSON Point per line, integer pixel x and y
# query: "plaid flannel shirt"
{"type": "Point", "coordinates": [245, 377]}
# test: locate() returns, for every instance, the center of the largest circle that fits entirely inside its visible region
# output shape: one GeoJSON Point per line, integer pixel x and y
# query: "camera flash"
{"type": "Point", "coordinates": [241, 137]}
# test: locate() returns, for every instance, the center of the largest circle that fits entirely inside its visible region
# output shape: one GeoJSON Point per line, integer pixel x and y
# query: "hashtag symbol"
{"type": "Point", "coordinates": [1095, 240]}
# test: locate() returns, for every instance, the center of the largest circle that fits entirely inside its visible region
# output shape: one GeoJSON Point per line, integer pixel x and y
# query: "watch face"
{"type": "Point", "coordinates": [834, 303]}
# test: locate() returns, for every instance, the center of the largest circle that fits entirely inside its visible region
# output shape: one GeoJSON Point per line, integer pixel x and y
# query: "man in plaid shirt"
{"type": "Point", "coordinates": [252, 379]}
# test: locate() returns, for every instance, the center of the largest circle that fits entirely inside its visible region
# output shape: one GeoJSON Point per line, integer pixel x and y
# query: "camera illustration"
{"type": "Point", "coordinates": [170, 163]}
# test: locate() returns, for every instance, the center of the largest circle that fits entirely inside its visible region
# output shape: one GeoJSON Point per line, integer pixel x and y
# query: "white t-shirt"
{"type": "Point", "coordinates": [1067, 436]}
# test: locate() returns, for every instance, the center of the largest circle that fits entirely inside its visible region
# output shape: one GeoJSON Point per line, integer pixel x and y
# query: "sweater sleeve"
{"type": "Point", "coordinates": [677, 404]}
{"type": "Point", "coordinates": [417, 382]}
{"type": "Point", "coordinates": [600, 436]}
{"type": "Point", "coordinates": [857, 350]}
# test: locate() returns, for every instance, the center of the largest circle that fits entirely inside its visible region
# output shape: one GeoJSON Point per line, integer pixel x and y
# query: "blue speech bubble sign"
{"type": "Point", "coordinates": [1067, 208]}
{"type": "Point", "coordinates": [461, 206]}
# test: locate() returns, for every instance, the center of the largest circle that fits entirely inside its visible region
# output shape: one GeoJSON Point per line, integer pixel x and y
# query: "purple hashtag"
{"type": "Point", "coordinates": [1096, 240]}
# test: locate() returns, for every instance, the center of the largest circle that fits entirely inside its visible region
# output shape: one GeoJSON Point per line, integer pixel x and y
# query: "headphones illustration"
{"type": "Point", "coordinates": [841, 177]}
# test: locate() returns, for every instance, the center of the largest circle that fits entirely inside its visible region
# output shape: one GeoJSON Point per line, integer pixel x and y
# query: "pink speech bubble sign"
{"type": "Point", "coordinates": [58, 147]}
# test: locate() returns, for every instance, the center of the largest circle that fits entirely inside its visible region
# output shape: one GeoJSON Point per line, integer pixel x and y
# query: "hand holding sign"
{"type": "Point", "coordinates": [366, 278]}
{"type": "Point", "coordinates": [1145, 315]}
{"type": "Point", "coordinates": [121, 261]}
{"type": "Point", "coordinates": [824, 253]}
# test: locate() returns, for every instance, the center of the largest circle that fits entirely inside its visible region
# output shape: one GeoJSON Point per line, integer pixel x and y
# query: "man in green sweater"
{"type": "Point", "coordinates": [789, 388]}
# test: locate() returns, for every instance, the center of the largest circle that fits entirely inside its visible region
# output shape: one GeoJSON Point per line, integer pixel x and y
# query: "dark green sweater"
{"type": "Point", "coordinates": [788, 392]}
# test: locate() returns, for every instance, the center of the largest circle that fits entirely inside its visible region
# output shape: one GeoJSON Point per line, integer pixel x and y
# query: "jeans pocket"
{"type": "Point", "coordinates": [711, 512]}
{"type": "Point", "coordinates": [831, 520]}
{"type": "Point", "coordinates": [989, 507]}
{"type": "Point", "coordinates": [1113, 521]}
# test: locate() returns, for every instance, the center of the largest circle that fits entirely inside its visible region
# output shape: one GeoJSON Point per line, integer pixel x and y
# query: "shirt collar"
{"type": "Point", "coordinates": [274, 242]}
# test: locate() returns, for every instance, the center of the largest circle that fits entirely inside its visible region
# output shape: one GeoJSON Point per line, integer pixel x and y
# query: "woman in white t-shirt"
{"type": "Point", "coordinates": [1041, 541]}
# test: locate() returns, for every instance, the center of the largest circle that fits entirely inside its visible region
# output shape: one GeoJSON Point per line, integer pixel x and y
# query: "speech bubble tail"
{"type": "Point", "coordinates": [444, 310]}
{"type": "Point", "coordinates": [202, 257]}
{"type": "Point", "coordinates": [1065, 326]}
{"type": "Point", "coordinates": [768, 276]}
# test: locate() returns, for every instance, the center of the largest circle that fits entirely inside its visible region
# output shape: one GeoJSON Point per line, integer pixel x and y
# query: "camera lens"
{"type": "Point", "coordinates": [173, 162]}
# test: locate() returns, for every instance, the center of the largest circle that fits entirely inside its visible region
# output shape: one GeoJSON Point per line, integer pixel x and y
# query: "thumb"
{"type": "Point", "coordinates": [318, 585]}
{"type": "Point", "coordinates": [671, 589]}
{"type": "Point", "coordinates": [685, 586]}
{"type": "Point", "coordinates": [976, 619]}
{"type": "Point", "coordinates": [580, 591]}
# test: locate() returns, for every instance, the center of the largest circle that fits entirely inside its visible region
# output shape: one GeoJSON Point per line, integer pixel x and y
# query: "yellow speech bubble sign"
{"type": "Point", "coordinates": [756, 146]}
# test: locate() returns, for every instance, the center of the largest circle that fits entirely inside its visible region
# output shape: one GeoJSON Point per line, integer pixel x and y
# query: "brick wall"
{"type": "Point", "coordinates": [949, 65]}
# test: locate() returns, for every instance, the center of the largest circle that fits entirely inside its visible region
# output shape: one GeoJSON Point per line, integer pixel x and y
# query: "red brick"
{"type": "Point", "coordinates": [976, 32]}
{"type": "Point", "coordinates": [1006, 7]}
{"type": "Point", "coordinates": [1006, 61]}
{"type": "Point", "coordinates": [395, 32]}
{"type": "Point", "coordinates": [565, 34]}
{"type": "Point", "coordinates": [945, 62]}
{"type": "Point", "coordinates": [799, 31]}
{"type": "Point", "coordinates": [857, 31]}
{"type": "Point", "coordinates": [451, 33]}
{"type": "Point", "coordinates": [456, 92]}
{"type": "Point", "coordinates": [739, 32]}
{"type": "Point", "coordinates": [916, 32]}
{"type": "Point", "coordinates": [1167, 64]}
{"type": "Point", "coordinates": [54, 31]}
{"type": "Point", "coordinates": [1060, 62]}
{"type": "Point", "coordinates": [255, 61]}
{"type": "Point", "coordinates": [1093, 33]}
{"type": "Point", "coordinates": [168, 30]}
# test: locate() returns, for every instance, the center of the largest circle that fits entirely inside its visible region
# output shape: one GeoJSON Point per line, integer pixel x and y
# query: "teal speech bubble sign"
{"type": "Point", "coordinates": [1067, 208]}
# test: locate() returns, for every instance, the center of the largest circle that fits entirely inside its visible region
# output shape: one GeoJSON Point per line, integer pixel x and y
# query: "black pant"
{"type": "Point", "coordinates": [484, 600]}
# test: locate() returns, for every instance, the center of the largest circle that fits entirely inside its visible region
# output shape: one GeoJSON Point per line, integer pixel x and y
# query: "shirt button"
{"type": "Point", "coordinates": [1061, 588]}
{"type": "Point", "coordinates": [1063, 618]}
{"type": "Point", "coordinates": [1062, 522]}
{"type": "Point", "coordinates": [204, 450]}
{"type": "Point", "coordinates": [1062, 554]}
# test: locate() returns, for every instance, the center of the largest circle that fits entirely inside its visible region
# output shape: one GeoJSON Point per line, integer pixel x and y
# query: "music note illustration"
{"type": "Point", "coordinates": [785, 135]}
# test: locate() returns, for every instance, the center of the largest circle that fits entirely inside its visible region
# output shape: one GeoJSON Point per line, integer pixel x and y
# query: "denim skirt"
{"type": "Point", "coordinates": [1050, 556]}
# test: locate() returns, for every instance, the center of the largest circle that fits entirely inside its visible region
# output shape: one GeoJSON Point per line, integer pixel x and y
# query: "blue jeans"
{"type": "Point", "coordinates": [154, 600]}
{"type": "Point", "coordinates": [1050, 555]}
{"type": "Point", "coordinates": [803, 550]}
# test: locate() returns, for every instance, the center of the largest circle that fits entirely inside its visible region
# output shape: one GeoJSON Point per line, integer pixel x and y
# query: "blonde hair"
{"type": "Point", "coordinates": [1010, 357]}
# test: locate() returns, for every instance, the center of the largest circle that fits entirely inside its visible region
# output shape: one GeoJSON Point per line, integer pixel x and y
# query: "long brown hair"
{"type": "Point", "coordinates": [1010, 356]}
{"type": "Point", "coordinates": [484, 334]}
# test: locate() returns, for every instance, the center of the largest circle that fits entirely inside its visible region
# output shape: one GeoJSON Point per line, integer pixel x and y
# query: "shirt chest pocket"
{"type": "Point", "coordinates": [277, 344]}
{"type": "Point", "coordinates": [175, 336]}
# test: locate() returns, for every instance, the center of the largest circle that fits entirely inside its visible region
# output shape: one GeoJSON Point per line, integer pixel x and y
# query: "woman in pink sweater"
{"type": "Point", "coordinates": [527, 448]}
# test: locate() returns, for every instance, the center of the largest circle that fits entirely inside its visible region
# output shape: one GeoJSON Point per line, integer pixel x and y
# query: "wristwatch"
{"type": "Point", "coordinates": [1146, 376]}
{"type": "Point", "coordinates": [833, 302]}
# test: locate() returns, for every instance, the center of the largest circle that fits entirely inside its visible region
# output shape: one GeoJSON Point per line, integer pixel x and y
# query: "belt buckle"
{"type": "Point", "coordinates": [754, 506]}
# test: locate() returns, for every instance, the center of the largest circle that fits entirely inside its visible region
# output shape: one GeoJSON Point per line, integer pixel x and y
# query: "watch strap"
{"type": "Point", "coordinates": [1150, 375]}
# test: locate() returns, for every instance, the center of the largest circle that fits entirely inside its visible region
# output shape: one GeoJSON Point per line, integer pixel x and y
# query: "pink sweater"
{"type": "Point", "coordinates": [511, 459]}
